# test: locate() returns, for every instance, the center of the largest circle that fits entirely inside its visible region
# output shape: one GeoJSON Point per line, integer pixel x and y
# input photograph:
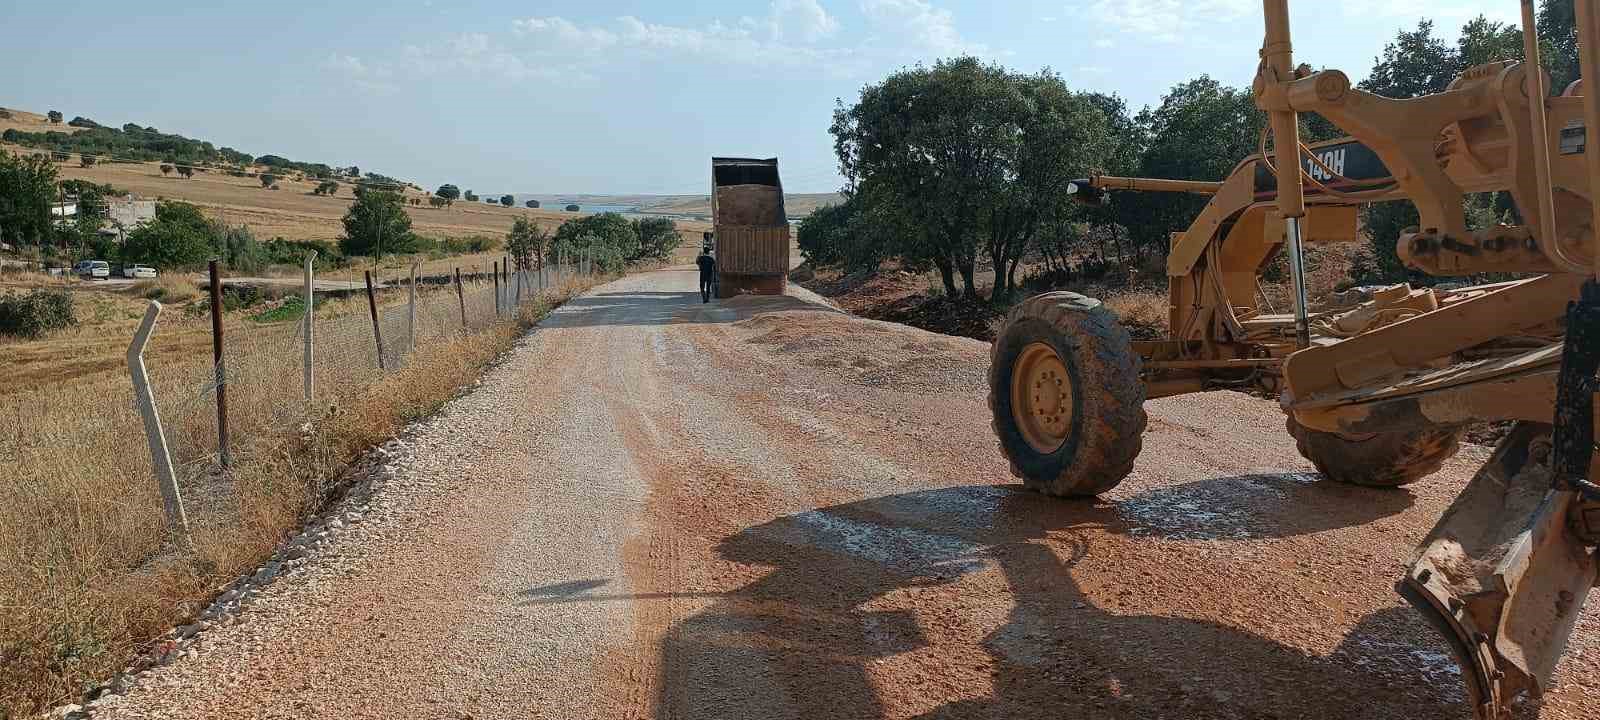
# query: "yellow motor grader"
{"type": "Point", "coordinates": [1378, 394]}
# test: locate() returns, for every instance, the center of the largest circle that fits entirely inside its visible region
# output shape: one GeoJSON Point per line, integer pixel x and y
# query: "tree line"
{"type": "Point", "coordinates": [377, 225]}
{"type": "Point", "coordinates": [134, 143]}
{"type": "Point", "coordinates": [967, 162]}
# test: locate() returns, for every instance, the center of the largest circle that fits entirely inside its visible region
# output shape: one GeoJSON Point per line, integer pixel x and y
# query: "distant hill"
{"type": "Point", "coordinates": [798, 204]}
{"type": "Point", "coordinates": [133, 143]}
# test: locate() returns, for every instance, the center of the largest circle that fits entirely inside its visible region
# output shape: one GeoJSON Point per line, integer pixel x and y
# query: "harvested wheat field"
{"type": "Point", "coordinates": [293, 212]}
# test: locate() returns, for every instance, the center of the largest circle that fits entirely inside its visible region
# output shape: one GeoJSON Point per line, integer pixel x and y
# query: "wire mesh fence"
{"type": "Point", "coordinates": [85, 439]}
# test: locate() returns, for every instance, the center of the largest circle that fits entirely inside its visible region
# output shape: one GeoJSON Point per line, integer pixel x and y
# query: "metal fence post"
{"type": "Point", "coordinates": [309, 321]}
{"type": "Point", "coordinates": [377, 329]}
{"type": "Point", "coordinates": [497, 288]}
{"type": "Point", "coordinates": [219, 366]}
{"type": "Point", "coordinates": [411, 310]}
{"type": "Point", "coordinates": [461, 298]}
{"type": "Point", "coordinates": [166, 477]}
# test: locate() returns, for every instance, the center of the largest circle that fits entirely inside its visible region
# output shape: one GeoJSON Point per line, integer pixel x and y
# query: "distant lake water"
{"type": "Point", "coordinates": [598, 208]}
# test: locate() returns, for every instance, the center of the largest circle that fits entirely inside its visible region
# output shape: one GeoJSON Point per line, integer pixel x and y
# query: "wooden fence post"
{"type": "Point", "coordinates": [219, 367]}
{"type": "Point", "coordinates": [461, 298]}
{"type": "Point", "coordinates": [377, 329]}
{"type": "Point", "coordinates": [497, 288]}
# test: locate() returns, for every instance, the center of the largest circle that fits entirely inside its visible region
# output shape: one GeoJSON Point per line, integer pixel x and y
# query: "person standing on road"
{"type": "Point", "coordinates": [708, 272]}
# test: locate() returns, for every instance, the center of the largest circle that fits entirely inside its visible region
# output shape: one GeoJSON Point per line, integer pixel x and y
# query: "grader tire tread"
{"type": "Point", "coordinates": [1109, 432]}
{"type": "Point", "coordinates": [1383, 460]}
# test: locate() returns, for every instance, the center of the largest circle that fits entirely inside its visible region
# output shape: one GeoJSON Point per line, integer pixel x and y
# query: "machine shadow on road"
{"type": "Point", "coordinates": [814, 637]}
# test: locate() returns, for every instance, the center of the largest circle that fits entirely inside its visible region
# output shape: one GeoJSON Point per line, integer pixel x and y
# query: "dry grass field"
{"type": "Point", "coordinates": [293, 213]}
{"type": "Point", "coordinates": [31, 122]}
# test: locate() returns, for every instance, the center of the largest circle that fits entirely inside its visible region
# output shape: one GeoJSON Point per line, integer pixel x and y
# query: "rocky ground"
{"type": "Point", "coordinates": [768, 508]}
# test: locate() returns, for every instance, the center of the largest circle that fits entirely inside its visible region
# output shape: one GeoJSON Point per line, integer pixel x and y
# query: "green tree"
{"type": "Point", "coordinates": [86, 161]}
{"type": "Point", "coordinates": [377, 224]}
{"type": "Point", "coordinates": [527, 243]}
{"type": "Point", "coordinates": [932, 142]}
{"type": "Point", "coordinates": [469, 196]}
{"type": "Point", "coordinates": [267, 179]}
{"type": "Point", "coordinates": [1062, 136]}
{"type": "Point", "coordinates": [1558, 41]}
{"type": "Point", "coordinates": [27, 187]}
{"type": "Point", "coordinates": [1200, 131]}
{"type": "Point", "coordinates": [437, 201]}
{"type": "Point", "coordinates": [185, 172]}
{"type": "Point", "coordinates": [54, 116]}
{"type": "Point", "coordinates": [1484, 41]}
{"type": "Point", "coordinates": [658, 237]}
{"type": "Point", "coordinates": [531, 204]}
{"type": "Point", "coordinates": [507, 200]}
{"type": "Point", "coordinates": [166, 169]}
{"type": "Point", "coordinates": [180, 236]}
{"type": "Point", "coordinates": [241, 252]}
{"type": "Point", "coordinates": [840, 235]}
{"type": "Point", "coordinates": [449, 192]}
{"type": "Point", "coordinates": [572, 208]}
{"type": "Point", "coordinates": [1416, 63]}
{"type": "Point", "coordinates": [607, 232]}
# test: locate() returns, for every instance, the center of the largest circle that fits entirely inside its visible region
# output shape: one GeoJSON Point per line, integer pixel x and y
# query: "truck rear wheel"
{"type": "Point", "coordinates": [1387, 459]}
{"type": "Point", "coordinates": [1065, 395]}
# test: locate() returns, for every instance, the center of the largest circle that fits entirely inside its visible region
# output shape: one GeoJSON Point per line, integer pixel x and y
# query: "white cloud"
{"type": "Point", "coordinates": [1167, 20]}
{"type": "Point", "coordinates": [802, 20]}
{"type": "Point", "coordinates": [788, 35]}
{"type": "Point", "coordinates": [791, 33]}
{"type": "Point", "coordinates": [563, 34]}
{"type": "Point", "coordinates": [930, 28]}
{"type": "Point", "coordinates": [480, 55]}
{"type": "Point", "coordinates": [360, 73]}
{"type": "Point", "coordinates": [1444, 13]}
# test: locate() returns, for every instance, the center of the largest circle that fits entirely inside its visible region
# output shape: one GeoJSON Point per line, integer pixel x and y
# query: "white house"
{"type": "Point", "coordinates": [130, 212]}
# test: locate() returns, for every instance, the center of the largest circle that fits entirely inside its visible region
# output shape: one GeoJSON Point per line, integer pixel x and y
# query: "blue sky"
{"type": "Point", "coordinates": [611, 97]}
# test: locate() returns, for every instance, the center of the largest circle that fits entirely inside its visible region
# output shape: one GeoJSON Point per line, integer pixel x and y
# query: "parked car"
{"type": "Point", "coordinates": [92, 269]}
{"type": "Point", "coordinates": [138, 272]}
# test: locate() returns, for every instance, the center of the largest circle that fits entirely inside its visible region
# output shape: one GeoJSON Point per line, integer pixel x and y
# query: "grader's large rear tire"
{"type": "Point", "coordinates": [1378, 459]}
{"type": "Point", "coordinates": [1066, 397]}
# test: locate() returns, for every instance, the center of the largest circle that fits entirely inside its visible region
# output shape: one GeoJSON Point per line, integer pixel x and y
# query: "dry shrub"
{"type": "Point", "coordinates": [1328, 267]}
{"type": "Point", "coordinates": [1143, 312]}
{"type": "Point", "coordinates": [89, 577]}
{"type": "Point", "coordinates": [170, 289]}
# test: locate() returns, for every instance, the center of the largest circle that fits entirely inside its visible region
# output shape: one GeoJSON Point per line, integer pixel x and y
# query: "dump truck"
{"type": "Point", "coordinates": [750, 228]}
{"type": "Point", "coordinates": [1378, 393]}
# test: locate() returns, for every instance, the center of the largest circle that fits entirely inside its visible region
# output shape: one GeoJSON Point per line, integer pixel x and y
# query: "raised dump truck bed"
{"type": "Point", "coordinates": [750, 225]}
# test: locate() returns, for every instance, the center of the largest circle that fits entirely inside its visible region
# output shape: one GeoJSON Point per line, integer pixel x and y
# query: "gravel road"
{"type": "Point", "coordinates": [764, 508]}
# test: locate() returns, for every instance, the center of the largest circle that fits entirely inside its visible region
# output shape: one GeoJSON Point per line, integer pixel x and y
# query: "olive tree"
{"type": "Point", "coordinates": [27, 186]}
{"type": "Point", "coordinates": [527, 243]}
{"type": "Point", "coordinates": [377, 224]}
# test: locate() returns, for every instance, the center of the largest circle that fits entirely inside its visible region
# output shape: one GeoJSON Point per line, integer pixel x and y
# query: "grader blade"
{"type": "Point", "coordinates": [1503, 577]}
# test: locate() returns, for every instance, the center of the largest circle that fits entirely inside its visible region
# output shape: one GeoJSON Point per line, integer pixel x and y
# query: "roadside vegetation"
{"type": "Point", "coordinates": [87, 575]}
{"type": "Point", "coordinates": [945, 230]}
